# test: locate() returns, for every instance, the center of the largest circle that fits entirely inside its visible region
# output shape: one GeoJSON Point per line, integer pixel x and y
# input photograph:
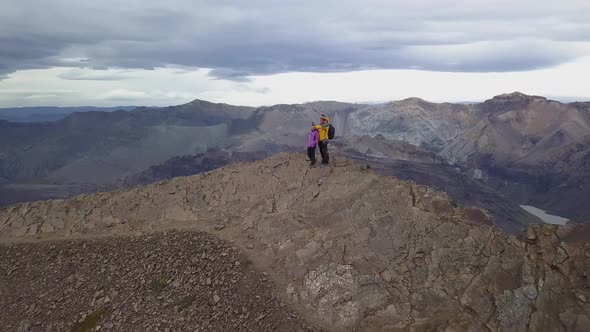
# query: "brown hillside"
{"type": "Point", "coordinates": [349, 248]}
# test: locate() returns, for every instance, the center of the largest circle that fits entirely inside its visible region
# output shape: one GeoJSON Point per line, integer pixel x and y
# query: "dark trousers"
{"type": "Point", "coordinates": [311, 154]}
{"type": "Point", "coordinates": [324, 152]}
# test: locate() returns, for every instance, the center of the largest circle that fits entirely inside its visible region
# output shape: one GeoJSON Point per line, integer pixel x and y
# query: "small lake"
{"type": "Point", "coordinates": [548, 218]}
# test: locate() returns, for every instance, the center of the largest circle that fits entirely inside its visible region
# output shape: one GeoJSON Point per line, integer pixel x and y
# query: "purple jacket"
{"type": "Point", "coordinates": [312, 140]}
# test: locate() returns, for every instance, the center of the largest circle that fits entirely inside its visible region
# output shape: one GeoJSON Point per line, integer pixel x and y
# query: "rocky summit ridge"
{"type": "Point", "coordinates": [350, 249]}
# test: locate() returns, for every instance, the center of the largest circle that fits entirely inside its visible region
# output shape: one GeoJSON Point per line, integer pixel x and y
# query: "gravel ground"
{"type": "Point", "coordinates": [175, 281]}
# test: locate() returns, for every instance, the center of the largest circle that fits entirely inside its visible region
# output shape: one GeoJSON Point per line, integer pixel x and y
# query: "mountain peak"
{"type": "Point", "coordinates": [201, 102]}
{"type": "Point", "coordinates": [343, 237]}
{"type": "Point", "coordinates": [517, 96]}
{"type": "Point", "coordinates": [509, 101]}
{"type": "Point", "coordinates": [415, 100]}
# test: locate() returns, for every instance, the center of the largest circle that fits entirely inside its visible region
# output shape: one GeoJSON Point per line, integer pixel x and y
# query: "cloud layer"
{"type": "Point", "coordinates": [238, 39]}
{"type": "Point", "coordinates": [174, 86]}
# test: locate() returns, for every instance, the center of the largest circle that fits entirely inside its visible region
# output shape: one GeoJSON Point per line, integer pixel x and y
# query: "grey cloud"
{"type": "Point", "coordinates": [230, 74]}
{"type": "Point", "coordinates": [75, 75]}
{"type": "Point", "coordinates": [490, 56]}
{"type": "Point", "coordinates": [238, 39]}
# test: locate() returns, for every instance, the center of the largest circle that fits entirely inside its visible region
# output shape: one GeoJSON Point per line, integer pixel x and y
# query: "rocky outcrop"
{"type": "Point", "coordinates": [464, 190]}
{"type": "Point", "coordinates": [353, 249]}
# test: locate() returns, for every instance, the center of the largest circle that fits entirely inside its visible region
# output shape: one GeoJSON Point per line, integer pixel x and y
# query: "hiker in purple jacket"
{"type": "Point", "coordinates": [312, 143]}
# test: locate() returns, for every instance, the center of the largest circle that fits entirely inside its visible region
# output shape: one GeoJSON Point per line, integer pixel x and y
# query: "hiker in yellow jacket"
{"type": "Point", "coordinates": [323, 128]}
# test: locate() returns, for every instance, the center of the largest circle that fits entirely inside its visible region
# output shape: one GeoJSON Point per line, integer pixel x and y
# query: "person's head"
{"type": "Point", "coordinates": [324, 118]}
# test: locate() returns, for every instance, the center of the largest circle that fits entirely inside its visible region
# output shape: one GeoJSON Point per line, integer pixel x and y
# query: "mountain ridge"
{"type": "Point", "coordinates": [352, 249]}
{"type": "Point", "coordinates": [89, 151]}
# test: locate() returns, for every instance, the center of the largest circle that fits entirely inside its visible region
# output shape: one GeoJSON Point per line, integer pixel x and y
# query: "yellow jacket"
{"type": "Point", "coordinates": [323, 131]}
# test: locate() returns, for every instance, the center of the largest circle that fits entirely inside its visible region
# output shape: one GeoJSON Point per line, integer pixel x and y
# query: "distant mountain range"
{"type": "Point", "coordinates": [509, 150]}
{"type": "Point", "coordinates": [50, 113]}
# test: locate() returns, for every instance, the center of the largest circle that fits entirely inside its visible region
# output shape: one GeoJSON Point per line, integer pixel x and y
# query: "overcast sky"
{"type": "Point", "coordinates": [142, 52]}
